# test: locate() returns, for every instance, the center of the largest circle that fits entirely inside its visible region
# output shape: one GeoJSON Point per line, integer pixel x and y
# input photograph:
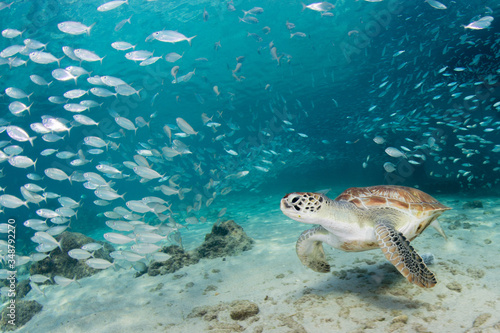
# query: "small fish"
{"type": "Point", "coordinates": [184, 78]}
{"type": "Point", "coordinates": [74, 28]}
{"type": "Point", "coordinates": [394, 152]}
{"type": "Point", "coordinates": [92, 247]}
{"type": "Point", "coordinates": [48, 239]}
{"type": "Point", "coordinates": [299, 34]}
{"type": "Point", "coordinates": [126, 124]}
{"type": "Point", "coordinates": [398, 53]}
{"type": "Point", "coordinates": [3, 5]}
{"type": "Point", "coordinates": [98, 263]}
{"type": "Point", "coordinates": [436, 4]}
{"type": "Point", "coordinates": [248, 19]}
{"type": "Point", "coordinates": [232, 152]}
{"type": "Point", "coordinates": [145, 248]}
{"type": "Point", "coordinates": [85, 120]}
{"type": "Point", "coordinates": [56, 174]}
{"type": "Point", "coordinates": [254, 11]}
{"type": "Point", "coordinates": [116, 238]}
{"type": "Point", "coordinates": [139, 55]}
{"type": "Point", "coordinates": [17, 93]}
{"type": "Point", "coordinates": [38, 278]}
{"type": "Point", "coordinates": [389, 167]}
{"type": "Point", "coordinates": [61, 74]}
{"type": "Point", "coordinates": [482, 23]}
{"type": "Point", "coordinates": [101, 92]}
{"type": "Point", "coordinates": [79, 254]}
{"type": "Point", "coordinates": [205, 15]}
{"type": "Point", "coordinates": [319, 6]}
{"type": "Point", "coordinates": [22, 162]}
{"type": "Point", "coordinates": [170, 36]}
{"type": "Point", "coordinates": [87, 55]}
{"type": "Point", "coordinates": [107, 194]}
{"type": "Point", "coordinates": [64, 281]}
{"type": "Point", "coordinates": [12, 33]}
{"type": "Point", "coordinates": [37, 79]}
{"type": "Point", "coordinates": [120, 24]}
{"type": "Point", "coordinates": [18, 134]}
{"type": "Point", "coordinates": [172, 57]}
{"type": "Point", "coordinates": [149, 61]}
{"type": "Point", "coordinates": [185, 127]}
{"type": "Point", "coordinates": [111, 5]}
{"type": "Point", "coordinates": [11, 201]}
{"type": "Point", "coordinates": [174, 72]}
{"type": "Point", "coordinates": [146, 172]}
{"type": "Point", "coordinates": [122, 46]}
{"type": "Point", "coordinates": [16, 108]}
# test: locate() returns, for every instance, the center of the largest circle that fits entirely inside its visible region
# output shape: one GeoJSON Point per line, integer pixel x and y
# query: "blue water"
{"type": "Point", "coordinates": [404, 71]}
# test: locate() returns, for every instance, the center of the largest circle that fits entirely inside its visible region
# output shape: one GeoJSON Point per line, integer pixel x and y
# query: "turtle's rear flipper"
{"type": "Point", "coordinates": [401, 254]}
{"type": "Point", "coordinates": [310, 249]}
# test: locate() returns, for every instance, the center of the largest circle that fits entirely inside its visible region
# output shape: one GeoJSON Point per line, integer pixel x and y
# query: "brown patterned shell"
{"type": "Point", "coordinates": [399, 197]}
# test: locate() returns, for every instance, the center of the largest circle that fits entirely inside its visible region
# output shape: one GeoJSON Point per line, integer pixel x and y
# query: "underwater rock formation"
{"type": "Point", "coordinates": [225, 239]}
{"type": "Point", "coordinates": [24, 311]}
{"type": "Point", "coordinates": [22, 288]}
{"type": "Point", "coordinates": [60, 263]}
{"type": "Point", "coordinates": [241, 310]}
{"type": "Point", "coordinates": [179, 259]}
{"type": "Point", "coordinates": [238, 310]}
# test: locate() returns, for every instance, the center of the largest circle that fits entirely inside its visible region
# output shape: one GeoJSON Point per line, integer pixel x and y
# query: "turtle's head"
{"type": "Point", "coordinates": [303, 206]}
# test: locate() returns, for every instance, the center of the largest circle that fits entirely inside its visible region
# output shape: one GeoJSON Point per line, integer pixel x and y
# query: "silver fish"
{"type": "Point", "coordinates": [87, 55]}
{"type": "Point", "coordinates": [57, 174]}
{"type": "Point", "coordinates": [185, 127]}
{"type": "Point", "coordinates": [11, 201]}
{"type": "Point", "coordinates": [18, 134]}
{"type": "Point", "coordinates": [111, 5]}
{"type": "Point", "coordinates": [394, 152]}
{"type": "Point", "coordinates": [170, 36]}
{"type": "Point", "coordinates": [98, 263]}
{"type": "Point", "coordinates": [122, 46]}
{"type": "Point", "coordinates": [44, 58]}
{"type": "Point", "coordinates": [107, 194]}
{"type": "Point", "coordinates": [74, 28]}
{"type": "Point", "coordinates": [116, 238]}
{"type": "Point", "coordinates": [146, 172]}
{"type": "Point", "coordinates": [79, 254]}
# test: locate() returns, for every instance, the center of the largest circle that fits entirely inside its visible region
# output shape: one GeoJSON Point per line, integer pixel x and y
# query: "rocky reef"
{"type": "Point", "coordinates": [225, 239]}
{"type": "Point", "coordinates": [18, 314]}
{"type": "Point", "coordinates": [60, 263]}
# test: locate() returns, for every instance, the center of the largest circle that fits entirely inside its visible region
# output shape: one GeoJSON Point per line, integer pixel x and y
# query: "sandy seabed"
{"type": "Point", "coordinates": [363, 293]}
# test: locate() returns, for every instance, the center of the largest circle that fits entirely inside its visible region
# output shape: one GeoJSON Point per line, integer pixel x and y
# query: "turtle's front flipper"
{"type": "Point", "coordinates": [310, 249]}
{"type": "Point", "coordinates": [401, 254]}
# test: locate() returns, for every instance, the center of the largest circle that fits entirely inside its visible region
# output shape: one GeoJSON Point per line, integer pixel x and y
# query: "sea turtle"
{"type": "Point", "coordinates": [365, 218]}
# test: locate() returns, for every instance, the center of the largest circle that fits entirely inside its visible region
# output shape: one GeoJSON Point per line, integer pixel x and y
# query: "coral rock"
{"type": "Point", "coordinates": [60, 263]}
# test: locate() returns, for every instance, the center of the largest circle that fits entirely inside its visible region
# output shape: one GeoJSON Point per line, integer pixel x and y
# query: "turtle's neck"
{"type": "Point", "coordinates": [341, 212]}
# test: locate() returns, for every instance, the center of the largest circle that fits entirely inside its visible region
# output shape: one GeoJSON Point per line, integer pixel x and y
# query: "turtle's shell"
{"type": "Point", "coordinates": [410, 199]}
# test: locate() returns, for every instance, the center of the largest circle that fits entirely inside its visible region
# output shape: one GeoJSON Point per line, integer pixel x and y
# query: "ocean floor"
{"type": "Point", "coordinates": [363, 293]}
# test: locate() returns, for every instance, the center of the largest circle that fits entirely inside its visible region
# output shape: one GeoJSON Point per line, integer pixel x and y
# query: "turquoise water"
{"type": "Point", "coordinates": [281, 98]}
